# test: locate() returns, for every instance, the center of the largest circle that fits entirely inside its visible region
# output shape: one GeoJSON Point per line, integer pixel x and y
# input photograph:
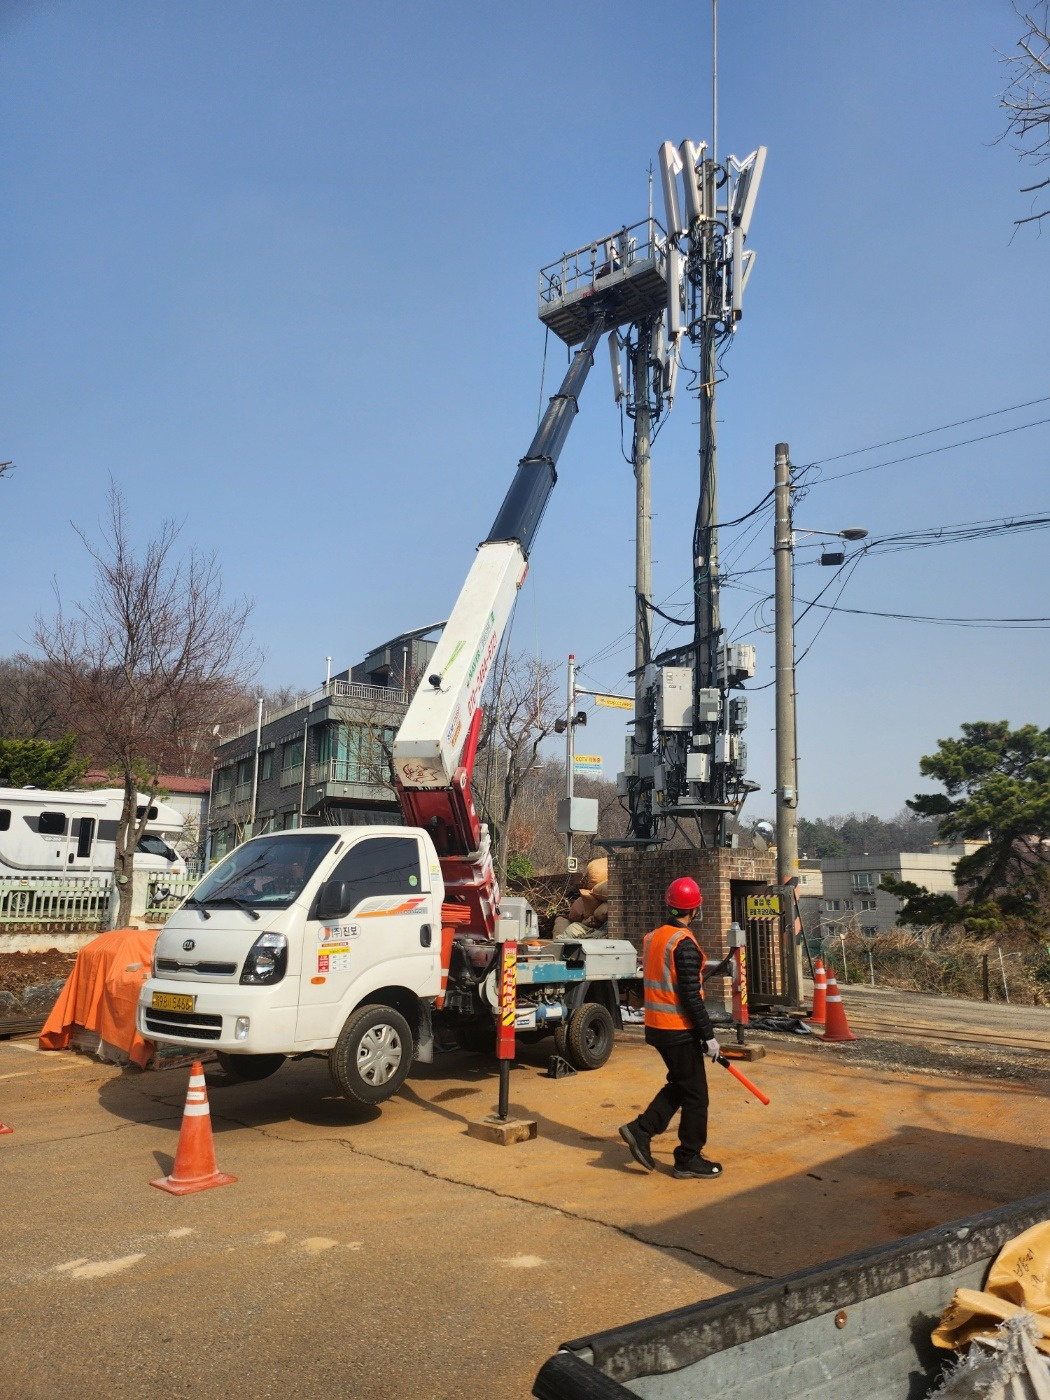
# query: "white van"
{"type": "Point", "coordinates": [72, 833]}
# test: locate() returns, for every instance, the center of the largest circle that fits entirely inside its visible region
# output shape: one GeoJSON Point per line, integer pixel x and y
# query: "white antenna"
{"type": "Point", "coordinates": [670, 169]}
{"type": "Point", "coordinates": [747, 189]}
{"type": "Point", "coordinates": [674, 293]}
{"type": "Point", "coordinates": [617, 370]}
{"type": "Point", "coordinates": [694, 204]}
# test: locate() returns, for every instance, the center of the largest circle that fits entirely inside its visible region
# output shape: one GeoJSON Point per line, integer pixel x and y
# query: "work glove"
{"type": "Point", "coordinates": [712, 1050]}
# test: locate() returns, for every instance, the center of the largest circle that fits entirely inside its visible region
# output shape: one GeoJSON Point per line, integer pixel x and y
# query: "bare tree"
{"type": "Point", "coordinates": [142, 663]}
{"type": "Point", "coordinates": [1026, 99]}
{"type": "Point", "coordinates": [524, 707]}
{"type": "Point", "coordinates": [27, 699]}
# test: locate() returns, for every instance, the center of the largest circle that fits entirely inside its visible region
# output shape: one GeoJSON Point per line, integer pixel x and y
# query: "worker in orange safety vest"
{"type": "Point", "coordinates": [677, 1024]}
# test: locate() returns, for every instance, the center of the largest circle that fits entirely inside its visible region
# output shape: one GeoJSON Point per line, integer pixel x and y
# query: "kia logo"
{"type": "Point", "coordinates": [189, 945]}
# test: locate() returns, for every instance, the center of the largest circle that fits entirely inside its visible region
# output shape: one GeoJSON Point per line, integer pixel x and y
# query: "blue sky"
{"type": "Point", "coordinates": [272, 266]}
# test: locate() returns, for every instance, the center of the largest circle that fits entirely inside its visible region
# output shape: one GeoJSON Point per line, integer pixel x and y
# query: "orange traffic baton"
{"type": "Point", "coordinates": [721, 1059]}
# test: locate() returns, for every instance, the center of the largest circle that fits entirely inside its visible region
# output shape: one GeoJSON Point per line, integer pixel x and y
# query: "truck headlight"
{"type": "Point", "coordinates": [267, 962]}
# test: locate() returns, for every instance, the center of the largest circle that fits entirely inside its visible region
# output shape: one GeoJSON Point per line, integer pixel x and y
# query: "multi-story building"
{"type": "Point", "coordinates": [323, 760]}
{"type": "Point", "coordinates": [853, 901]}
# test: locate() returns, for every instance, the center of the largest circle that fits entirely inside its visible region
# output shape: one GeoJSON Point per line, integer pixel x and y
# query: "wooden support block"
{"type": "Point", "coordinates": [503, 1131]}
{"type": "Point", "coordinates": [744, 1052]}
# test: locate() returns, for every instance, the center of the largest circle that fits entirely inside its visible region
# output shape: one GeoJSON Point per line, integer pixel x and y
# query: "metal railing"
{"type": "Point", "coordinates": [587, 266]}
{"type": "Point", "coordinates": [54, 901]}
{"type": "Point", "coordinates": [333, 690]}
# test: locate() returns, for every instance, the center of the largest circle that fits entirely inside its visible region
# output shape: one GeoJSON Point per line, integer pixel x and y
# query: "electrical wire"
{"type": "Point", "coordinates": [929, 452]}
{"type": "Point", "coordinates": [927, 432]}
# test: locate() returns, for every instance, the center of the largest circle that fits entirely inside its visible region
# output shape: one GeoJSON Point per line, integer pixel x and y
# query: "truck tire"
{"type": "Point", "coordinates": [589, 1036]}
{"type": "Point", "coordinates": [371, 1059]}
{"type": "Point", "coordinates": [248, 1068]}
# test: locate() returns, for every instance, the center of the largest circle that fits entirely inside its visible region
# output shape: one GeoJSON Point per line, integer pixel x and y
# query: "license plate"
{"type": "Point", "coordinates": [171, 1001]}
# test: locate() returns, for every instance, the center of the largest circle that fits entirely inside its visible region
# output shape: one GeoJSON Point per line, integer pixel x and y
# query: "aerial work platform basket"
{"type": "Point", "coordinates": [624, 273]}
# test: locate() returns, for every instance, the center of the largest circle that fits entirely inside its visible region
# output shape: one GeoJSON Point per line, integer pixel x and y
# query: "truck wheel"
{"type": "Point", "coordinates": [371, 1059]}
{"type": "Point", "coordinates": [589, 1037]}
{"type": "Point", "coordinates": [248, 1068]}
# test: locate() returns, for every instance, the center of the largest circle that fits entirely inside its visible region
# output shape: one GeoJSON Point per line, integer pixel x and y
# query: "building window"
{"type": "Point", "coordinates": [243, 784]}
{"type": "Point", "coordinates": [863, 880]}
{"type": "Point", "coordinates": [266, 766]}
{"type": "Point", "coordinates": [847, 904]}
{"type": "Point", "coordinates": [223, 787]}
{"type": "Point", "coordinates": [832, 905]}
{"type": "Point", "coordinates": [292, 762]}
{"type": "Point", "coordinates": [868, 904]}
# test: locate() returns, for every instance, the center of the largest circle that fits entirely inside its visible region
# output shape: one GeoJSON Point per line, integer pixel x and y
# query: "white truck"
{"type": "Point", "coordinates": [74, 833]}
{"type": "Point", "coordinates": [371, 944]}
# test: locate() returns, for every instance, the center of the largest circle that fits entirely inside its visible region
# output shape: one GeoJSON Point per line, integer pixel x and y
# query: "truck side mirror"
{"type": "Point", "coordinates": [335, 899]}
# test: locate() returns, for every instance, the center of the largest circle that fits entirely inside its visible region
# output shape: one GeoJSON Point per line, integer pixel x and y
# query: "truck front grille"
{"type": "Point", "coordinates": [208, 969]}
{"type": "Point", "coordinates": [193, 1025]}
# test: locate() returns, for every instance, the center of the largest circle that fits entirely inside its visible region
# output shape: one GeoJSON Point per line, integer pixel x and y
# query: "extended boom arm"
{"type": "Point", "coordinates": [435, 746]}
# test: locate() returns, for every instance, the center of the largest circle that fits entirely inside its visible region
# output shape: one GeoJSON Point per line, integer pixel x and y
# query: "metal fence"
{"type": "Point", "coordinates": [54, 901]}
{"type": "Point", "coordinates": [165, 893]}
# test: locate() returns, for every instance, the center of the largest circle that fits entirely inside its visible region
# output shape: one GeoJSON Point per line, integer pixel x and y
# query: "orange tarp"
{"type": "Point", "coordinates": [102, 991]}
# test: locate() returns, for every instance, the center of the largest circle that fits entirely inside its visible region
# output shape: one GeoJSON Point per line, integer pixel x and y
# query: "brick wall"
{"type": "Point", "coordinates": [638, 881]}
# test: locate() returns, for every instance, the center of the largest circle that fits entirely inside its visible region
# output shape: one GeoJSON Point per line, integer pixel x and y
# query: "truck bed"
{"type": "Point", "coordinates": [856, 1327]}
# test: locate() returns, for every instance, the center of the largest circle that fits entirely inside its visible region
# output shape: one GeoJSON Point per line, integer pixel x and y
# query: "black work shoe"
{"type": "Point", "coordinates": [699, 1167]}
{"type": "Point", "coordinates": [638, 1143]}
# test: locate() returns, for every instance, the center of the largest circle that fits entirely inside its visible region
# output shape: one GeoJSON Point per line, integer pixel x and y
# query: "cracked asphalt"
{"type": "Point", "coordinates": [392, 1255]}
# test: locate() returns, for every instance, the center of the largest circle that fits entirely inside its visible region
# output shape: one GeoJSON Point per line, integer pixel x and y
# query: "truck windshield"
{"type": "Point", "coordinates": [268, 872]}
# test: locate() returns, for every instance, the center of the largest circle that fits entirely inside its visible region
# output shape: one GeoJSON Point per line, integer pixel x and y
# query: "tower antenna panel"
{"type": "Point", "coordinates": [670, 168]}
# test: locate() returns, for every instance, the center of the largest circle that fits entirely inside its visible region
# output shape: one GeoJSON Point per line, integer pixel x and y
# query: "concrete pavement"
{"type": "Point", "coordinates": [392, 1255]}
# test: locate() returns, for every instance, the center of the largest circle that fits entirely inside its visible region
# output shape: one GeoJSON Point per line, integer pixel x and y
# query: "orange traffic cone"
{"type": "Point", "coordinates": [5, 1129]}
{"type": "Point", "coordinates": [820, 994]}
{"type": "Point", "coordinates": [836, 1027]}
{"type": "Point", "coordinates": [194, 1168]}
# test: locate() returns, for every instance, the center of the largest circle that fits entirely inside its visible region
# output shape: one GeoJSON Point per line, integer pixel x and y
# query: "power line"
{"type": "Point", "coordinates": [927, 432]}
{"type": "Point", "coordinates": [929, 452]}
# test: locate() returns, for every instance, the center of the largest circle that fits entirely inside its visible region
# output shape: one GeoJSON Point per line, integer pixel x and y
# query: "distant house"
{"type": "Point", "coordinates": [810, 894]}
{"type": "Point", "coordinates": [324, 759]}
{"type": "Point", "coordinates": [853, 901]}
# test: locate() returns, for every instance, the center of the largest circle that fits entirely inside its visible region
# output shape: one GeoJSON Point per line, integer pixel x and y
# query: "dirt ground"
{"type": "Point", "coordinates": [393, 1254]}
{"type": "Point", "coordinates": [21, 970]}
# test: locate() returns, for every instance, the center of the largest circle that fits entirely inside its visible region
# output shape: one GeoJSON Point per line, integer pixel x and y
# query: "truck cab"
{"type": "Point", "coordinates": [306, 941]}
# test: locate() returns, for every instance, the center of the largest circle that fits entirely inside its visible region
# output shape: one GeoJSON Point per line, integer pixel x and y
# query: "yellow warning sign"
{"type": "Point", "coordinates": [614, 702]}
{"type": "Point", "coordinates": [763, 906]}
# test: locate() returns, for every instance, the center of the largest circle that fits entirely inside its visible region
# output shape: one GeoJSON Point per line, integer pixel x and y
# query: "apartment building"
{"type": "Point", "coordinates": [853, 901]}
{"type": "Point", "coordinates": [323, 760]}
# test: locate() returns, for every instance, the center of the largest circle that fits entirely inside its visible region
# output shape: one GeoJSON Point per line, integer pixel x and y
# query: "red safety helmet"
{"type": "Point", "coordinates": [683, 895]}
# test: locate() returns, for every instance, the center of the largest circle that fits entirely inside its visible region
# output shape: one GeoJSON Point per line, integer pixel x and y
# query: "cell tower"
{"type": "Point", "coordinates": [665, 289]}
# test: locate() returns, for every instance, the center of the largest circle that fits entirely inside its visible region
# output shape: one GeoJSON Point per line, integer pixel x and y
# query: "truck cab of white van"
{"type": "Point", "coordinates": [289, 936]}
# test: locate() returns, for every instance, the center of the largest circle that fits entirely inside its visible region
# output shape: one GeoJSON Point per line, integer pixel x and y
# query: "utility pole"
{"type": "Point", "coordinates": [642, 815]}
{"type": "Point", "coordinates": [787, 757]}
{"type": "Point", "coordinates": [707, 627]}
{"type": "Point", "coordinates": [570, 745]}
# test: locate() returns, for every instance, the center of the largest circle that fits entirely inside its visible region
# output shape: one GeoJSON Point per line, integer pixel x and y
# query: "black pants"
{"type": "Point", "coordinates": [686, 1089]}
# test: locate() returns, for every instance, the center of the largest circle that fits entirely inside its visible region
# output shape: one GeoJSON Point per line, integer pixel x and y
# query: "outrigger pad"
{"type": "Point", "coordinates": [557, 1068]}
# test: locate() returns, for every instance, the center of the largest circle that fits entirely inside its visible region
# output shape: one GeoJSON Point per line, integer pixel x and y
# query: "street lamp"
{"type": "Point", "coordinates": [787, 754]}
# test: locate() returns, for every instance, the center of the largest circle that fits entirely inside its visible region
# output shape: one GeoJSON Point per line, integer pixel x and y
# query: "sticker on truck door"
{"type": "Point", "coordinates": [335, 957]}
{"type": "Point", "coordinates": [337, 933]}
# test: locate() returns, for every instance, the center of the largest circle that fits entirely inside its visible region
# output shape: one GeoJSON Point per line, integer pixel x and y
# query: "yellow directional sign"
{"type": "Point", "coordinates": [614, 702]}
{"type": "Point", "coordinates": [763, 906]}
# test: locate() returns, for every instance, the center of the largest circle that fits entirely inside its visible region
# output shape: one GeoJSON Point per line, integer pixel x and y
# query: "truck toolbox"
{"type": "Point", "coordinates": [857, 1328]}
